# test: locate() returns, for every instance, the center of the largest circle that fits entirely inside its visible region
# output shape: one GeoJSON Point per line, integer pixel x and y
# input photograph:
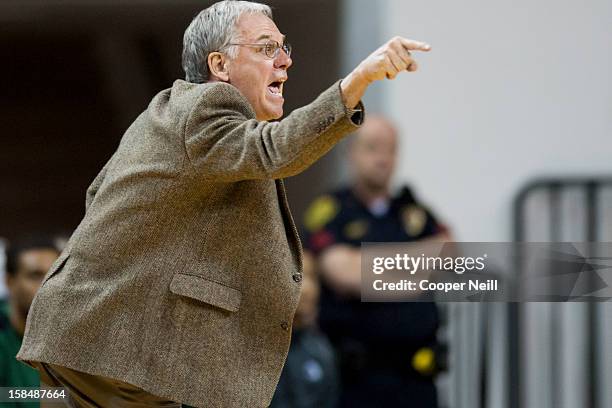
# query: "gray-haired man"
{"type": "Point", "coordinates": [181, 282]}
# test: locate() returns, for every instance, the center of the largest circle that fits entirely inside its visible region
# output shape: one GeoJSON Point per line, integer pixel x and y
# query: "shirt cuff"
{"type": "Point", "coordinates": [357, 114]}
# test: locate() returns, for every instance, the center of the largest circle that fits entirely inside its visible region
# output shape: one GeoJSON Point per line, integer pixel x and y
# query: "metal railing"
{"type": "Point", "coordinates": [574, 369]}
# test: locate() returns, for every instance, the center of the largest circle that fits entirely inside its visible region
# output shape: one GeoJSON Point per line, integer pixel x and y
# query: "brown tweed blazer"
{"type": "Point", "coordinates": [184, 275]}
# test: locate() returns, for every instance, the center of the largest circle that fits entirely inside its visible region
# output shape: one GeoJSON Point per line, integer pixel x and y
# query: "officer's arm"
{"type": "Point", "coordinates": [341, 264]}
{"type": "Point", "coordinates": [341, 268]}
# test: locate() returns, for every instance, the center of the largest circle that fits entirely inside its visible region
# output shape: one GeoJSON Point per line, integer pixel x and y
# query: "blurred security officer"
{"type": "Point", "coordinates": [385, 348]}
{"type": "Point", "coordinates": [27, 262]}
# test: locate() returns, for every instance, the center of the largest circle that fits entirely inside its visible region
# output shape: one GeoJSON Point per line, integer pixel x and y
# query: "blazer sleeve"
{"type": "Point", "coordinates": [93, 188]}
{"type": "Point", "coordinates": [224, 141]}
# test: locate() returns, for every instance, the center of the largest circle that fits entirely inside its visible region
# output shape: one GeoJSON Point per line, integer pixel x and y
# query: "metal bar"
{"type": "Point", "coordinates": [591, 234]}
{"type": "Point", "coordinates": [484, 349]}
{"type": "Point", "coordinates": [554, 202]}
{"type": "Point", "coordinates": [514, 354]}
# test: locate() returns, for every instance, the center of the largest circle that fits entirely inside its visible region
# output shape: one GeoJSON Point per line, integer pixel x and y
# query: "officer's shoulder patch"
{"type": "Point", "coordinates": [414, 219]}
{"type": "Point", "coordinates": [320, 212]}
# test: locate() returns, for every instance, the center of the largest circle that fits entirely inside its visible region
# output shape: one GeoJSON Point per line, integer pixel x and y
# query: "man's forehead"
{"type": "Point", "coordinates": [377, 133]}
{"type": "Point", "coordinates": [257, 27]}
{"type": "Point", "coordinates": [271, 36]}
{"type": "Point", "coordinates": [31, 258]}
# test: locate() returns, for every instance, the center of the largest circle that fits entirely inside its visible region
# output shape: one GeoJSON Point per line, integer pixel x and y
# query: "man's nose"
{"type": "Point", "coordinates": [383, 162]}
{"type": "Point", "coordinates": [283, 60]}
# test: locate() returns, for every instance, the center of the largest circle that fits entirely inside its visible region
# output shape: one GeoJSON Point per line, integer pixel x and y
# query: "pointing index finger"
{"type": "Point", "coordinates": [415, 45]}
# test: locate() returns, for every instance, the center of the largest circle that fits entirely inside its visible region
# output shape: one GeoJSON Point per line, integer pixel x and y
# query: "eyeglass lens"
{"type": "Point", "coordinates": [273, 48]}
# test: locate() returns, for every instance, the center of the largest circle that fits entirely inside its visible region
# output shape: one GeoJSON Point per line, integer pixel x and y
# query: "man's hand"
{"type": "Point", "coordinates": [390, 59]}
{"type": "Point", "coordinates": [387, 61]}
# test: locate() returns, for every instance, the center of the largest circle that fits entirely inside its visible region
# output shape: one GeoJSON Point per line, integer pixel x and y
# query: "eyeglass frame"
{"type": "Point", "coordinates": [286, 47]}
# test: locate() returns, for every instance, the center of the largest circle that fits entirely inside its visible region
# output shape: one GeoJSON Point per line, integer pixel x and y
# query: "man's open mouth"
{"type": "Point", "coordinates": [276, 88]}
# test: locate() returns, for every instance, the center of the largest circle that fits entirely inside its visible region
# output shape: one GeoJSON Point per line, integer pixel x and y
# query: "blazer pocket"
{"type": "Point", "coordinates": [57, 265]}
{"type": "Point", "coordinates": [207, 291]}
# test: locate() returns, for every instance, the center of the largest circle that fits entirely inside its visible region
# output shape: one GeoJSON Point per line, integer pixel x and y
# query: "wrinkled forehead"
{"type": "Point", "coordinates": [256, 27]}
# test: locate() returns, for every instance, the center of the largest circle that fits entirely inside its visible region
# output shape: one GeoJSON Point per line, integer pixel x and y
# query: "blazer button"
{"type": "Point", "coordinates": [285, 326]}
{"type": "Point", "coordinates": [297, 277]}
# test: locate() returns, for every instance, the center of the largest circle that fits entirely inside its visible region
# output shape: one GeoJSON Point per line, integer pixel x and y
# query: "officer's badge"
{"type": "Point", "coordinates": [414, 219]}
{"type": "Point", "coordinates": [424, 361]}
{"type": "Point", "coordinates": [320, 212]}
{"type": "Point", "coordinates": [355, 230]}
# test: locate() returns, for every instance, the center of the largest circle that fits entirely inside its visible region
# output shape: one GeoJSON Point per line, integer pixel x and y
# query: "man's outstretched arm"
{"type": "Point", "coordinates": [225, 143]}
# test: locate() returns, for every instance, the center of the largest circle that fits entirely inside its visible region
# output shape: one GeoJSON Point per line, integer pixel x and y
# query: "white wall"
{"type": "Point", "coordinates": [510, 91]}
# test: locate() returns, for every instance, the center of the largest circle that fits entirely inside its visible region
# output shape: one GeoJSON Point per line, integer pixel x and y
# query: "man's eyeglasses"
{"type": "Point", "coordinates": [270, 47]}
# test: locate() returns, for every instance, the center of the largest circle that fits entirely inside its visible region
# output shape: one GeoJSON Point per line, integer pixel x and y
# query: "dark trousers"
{"type": "Point", "coordinates": [376, 388]}
{"type": "Point", "coordinates": [93, 391]}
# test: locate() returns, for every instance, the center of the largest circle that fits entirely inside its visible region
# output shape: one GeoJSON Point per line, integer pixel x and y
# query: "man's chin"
{"type": "Point", "coordinates": [275, 115]}
{"type": "Point", "coordinates": [270, 112]}
{"type": "Point", "coordinates": [377, 185]}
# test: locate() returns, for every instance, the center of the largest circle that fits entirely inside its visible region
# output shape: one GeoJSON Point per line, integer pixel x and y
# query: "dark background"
{"type": "Point", "coordinates": [74, 75]}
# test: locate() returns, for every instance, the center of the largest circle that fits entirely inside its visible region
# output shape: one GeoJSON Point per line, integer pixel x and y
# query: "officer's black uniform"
{"type": "Point", "coordinates": [310, 375]}
{"type": "Point", "coordinates": [376, 341]}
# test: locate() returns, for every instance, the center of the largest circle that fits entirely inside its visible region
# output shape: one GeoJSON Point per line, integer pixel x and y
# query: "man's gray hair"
{"type": "Point", "coordinates": [212, 30]}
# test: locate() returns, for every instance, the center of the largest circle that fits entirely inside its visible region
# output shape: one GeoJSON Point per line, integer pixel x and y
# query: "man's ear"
{"type": "Point", "coordinates": [218, 65]}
